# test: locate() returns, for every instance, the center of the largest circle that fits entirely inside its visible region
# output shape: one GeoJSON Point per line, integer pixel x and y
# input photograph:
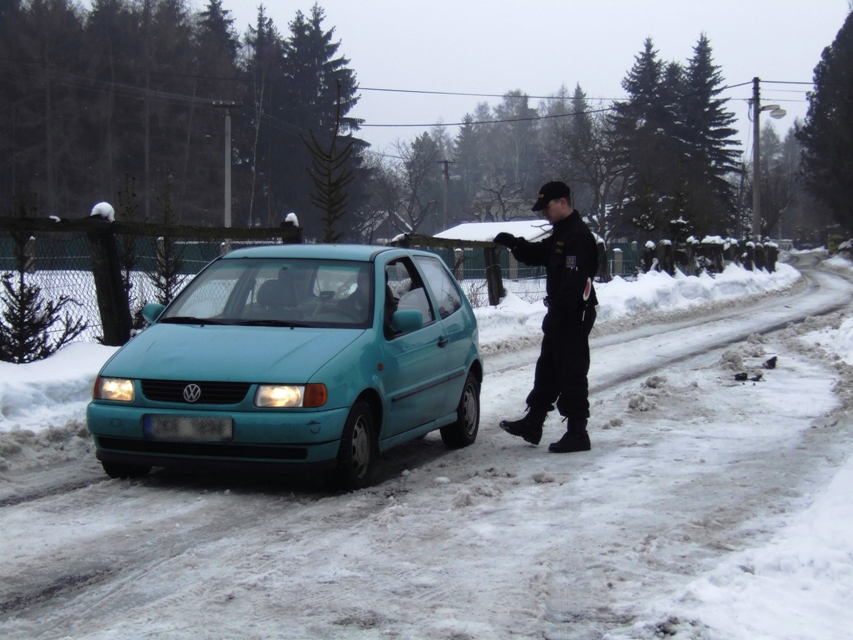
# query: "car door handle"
{"type": "Point", "coordinates": [442, 342]}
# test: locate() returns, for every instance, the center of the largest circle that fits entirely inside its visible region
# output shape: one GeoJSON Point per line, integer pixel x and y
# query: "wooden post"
{"type": "Point", "coordinates": [603, 264]}
{"type": "Point", "coordinates": [494, 280]}
{"type": "Point", "coordinates": [113, 304]}
{"type": "Point", "coordinates": [459, 264]}
{"type": "Point", "coordinates": [749, 256]}
{"type": "Point", "coordinates": [617, 261]}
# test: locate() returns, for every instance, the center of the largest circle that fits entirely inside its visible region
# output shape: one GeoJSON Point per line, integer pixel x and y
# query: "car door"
{"type": "Point", "coordinates": [414, 374]}
{"type": "Point", "coordinates": [456, 326]}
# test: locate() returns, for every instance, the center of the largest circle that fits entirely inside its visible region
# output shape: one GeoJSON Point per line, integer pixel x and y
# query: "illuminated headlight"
{"type": "Point", "coordinates": [118, 389]}
{"type": "Point", "coordinates": [289, 395]}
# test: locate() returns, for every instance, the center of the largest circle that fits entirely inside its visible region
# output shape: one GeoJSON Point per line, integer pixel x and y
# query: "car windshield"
{"type": "Point", "coordinates": [278, 292]}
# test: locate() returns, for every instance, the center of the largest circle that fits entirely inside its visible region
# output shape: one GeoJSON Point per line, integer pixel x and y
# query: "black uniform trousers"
{"type": "Point", "coordinates": [563, 364]}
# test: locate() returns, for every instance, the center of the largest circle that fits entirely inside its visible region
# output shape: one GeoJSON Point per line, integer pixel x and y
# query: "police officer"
{"type": "Point", "coordinates": [570, 258]}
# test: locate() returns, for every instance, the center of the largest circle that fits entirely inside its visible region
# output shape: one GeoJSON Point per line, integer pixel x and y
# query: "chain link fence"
{"type": "Point", "coordinates": [469, 267]}
{"type": "Point", "coordinates": [63, 263]}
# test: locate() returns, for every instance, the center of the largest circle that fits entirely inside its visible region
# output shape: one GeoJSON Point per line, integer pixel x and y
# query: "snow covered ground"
{"type": "Point", "coordinates": [708, 508]}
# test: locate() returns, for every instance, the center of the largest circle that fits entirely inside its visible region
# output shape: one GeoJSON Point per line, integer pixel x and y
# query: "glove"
{"type": "Point", "coordinates": [506, 239]}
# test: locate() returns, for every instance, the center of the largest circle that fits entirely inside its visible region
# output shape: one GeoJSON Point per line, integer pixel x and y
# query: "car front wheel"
{"type": "Point", "coordinates": [357, 453]}
{"type": "Point", "coordinates": [463, 432]}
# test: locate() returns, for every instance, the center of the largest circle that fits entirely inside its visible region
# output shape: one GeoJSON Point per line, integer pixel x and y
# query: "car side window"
{"type": "Point", "coordinates": [405, 289]}
{"type": "Point", "coordinates": [446, 292]}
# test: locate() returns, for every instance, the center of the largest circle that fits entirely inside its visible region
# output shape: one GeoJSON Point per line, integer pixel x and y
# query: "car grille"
{"type": "Point", "coordinates": [253, 452]}
{"type": "Point", "coordinates": [211, 392]}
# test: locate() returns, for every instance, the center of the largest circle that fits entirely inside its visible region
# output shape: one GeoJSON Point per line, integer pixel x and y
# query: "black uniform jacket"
{"type": "Point", "coordinates": [570, 256]}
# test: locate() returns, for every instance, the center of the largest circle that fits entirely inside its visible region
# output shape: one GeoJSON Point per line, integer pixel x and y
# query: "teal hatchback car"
{"type": "Point", "coordinates": [294, 355]}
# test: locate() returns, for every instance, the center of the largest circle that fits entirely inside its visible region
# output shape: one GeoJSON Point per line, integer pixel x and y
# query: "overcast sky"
{"type": "Point", "coordinates": [495, 46]}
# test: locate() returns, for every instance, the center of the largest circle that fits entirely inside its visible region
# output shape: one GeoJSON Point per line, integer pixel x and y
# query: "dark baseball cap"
{"type": "Point", "coordinates": [552, 191]}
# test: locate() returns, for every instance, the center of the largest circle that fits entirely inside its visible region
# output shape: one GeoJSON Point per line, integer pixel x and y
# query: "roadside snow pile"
{"type": "Point", "coordinates": [763, 592]}
{"type": "Point", "coordinates": [838, 263]}
{"type": "Point", "coordinates": [515, 324]}
{"type": "Point", "coordinates": [656, 291]}
{"type": "Point", "coordinates": [52, 392]}
{"type": "Point", "coordinates": [835, 339]}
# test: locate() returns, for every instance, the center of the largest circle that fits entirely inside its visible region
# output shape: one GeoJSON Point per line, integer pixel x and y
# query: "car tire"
{"type": "Point", "coordinates": [357, 454]}
{"type": "Point", "coordinates": [124, 471]}
{"type": "Point", "coordinates": [463, 432]}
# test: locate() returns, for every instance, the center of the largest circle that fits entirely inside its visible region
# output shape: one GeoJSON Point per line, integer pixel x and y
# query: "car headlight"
{"type": "Point", "coordinates": [290, 395]}
{"type": "Point", "coordinates": [117, 389]}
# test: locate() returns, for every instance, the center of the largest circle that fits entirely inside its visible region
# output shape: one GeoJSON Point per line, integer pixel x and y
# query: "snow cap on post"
{"type": "Point", "coordinates": [291, 220]}
{"type": "Point", "coordinates": [104, 210]}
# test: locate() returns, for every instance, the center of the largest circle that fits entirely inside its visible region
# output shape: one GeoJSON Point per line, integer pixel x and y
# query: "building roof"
{"type": "Point", "coordinates": [486, 231]}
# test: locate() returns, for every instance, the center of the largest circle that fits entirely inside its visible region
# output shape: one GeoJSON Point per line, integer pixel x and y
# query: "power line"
{"type": "Point", "coordinates": [472, 95]}
{"type": "Point", "coordinates": [103, 86]}
{"type": "Point", "coordinates": [502, 95]}
{"type": "Point", "coordinates": [529, 119]}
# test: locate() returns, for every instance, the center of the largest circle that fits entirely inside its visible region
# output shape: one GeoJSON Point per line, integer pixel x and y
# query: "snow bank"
{"type": "Point", "coordinates": [800, 581]}
{"type": "Point", "coordinates": [656, 291]}
{"type": "Point", "coordinates": [54, 391]}
{"type": "Point", "coordinates": [50, 392]}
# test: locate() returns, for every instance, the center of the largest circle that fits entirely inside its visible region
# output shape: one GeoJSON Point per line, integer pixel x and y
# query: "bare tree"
{"type": "Point", "coordinates": [384, 194]}
{"type": "Point", "coordinates": [419, 175]}
{"type": "Point", "coordinates": [576, 149]}
{"type": "Point", "coordinates": [498, 200]}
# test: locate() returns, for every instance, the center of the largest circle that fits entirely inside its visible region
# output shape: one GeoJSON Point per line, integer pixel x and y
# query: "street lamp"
{"type": "Point", "coordinates": [776, 112]}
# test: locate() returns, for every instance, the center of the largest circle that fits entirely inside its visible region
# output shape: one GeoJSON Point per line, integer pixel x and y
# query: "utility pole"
{"type": "Point", "coordinates": [756, 161]}
{"type": "Point", "coordinates": [775, 112]}
{"type": "Point", "coordinates": [446, 173]}
{"type": "Point", "coordinates": [227, 106]}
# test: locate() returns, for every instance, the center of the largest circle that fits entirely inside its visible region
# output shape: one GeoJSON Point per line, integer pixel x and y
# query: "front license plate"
{"type": "Point", "coordinates": [188, 428]}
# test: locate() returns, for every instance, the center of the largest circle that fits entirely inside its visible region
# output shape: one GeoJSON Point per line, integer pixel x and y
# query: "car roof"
{"type": "Point", "coordinates": [358, 252]}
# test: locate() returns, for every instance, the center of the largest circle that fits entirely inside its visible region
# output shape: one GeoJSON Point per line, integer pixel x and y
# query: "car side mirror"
{"type": "Point", "coordinates": [152, 311]}
{"type": "Point", "coordinates": [406, 321]}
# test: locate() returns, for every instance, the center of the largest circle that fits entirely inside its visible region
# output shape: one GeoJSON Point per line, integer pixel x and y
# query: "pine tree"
{"type": "Point", "coordinates": [13, 91]}
{"type": "Point", "coordinates": [709, 139]}
{"type": "Point", "coordinates": [673, 141]}
{"type": "Point", "coordinates": [111, 120]}
{"type": "Point", "coordinates": [216, 35]}
{"type": "Point", "coordinates": [644, 145]}
{"type": "Point", "coordinates": [50, 40]}
{"type": "Point", "coordinates": [169, 256]}
{"type": "Point", "coordinates": [469, 163]}
{"type": "Point", "coordinates": [330, 176]}
{"type": "Point", "coordinates": [555, 130]}
{"type": "Point", "coordinates": [266, 128]}
{"type": "Point", "coordinates": [827, 135]}
{"type": "Point", "coordinates": [517, 142]}
{"type": "Point", "coordinates": [313, 71]}
{"type": "Point", "coordinates": [30, 327]}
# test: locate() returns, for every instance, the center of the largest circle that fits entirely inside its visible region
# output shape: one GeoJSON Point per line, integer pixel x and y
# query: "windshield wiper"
{"type": "Point", "coordinates": [271, 323]}
{"type": "Point", "coordinates": [190, 320]}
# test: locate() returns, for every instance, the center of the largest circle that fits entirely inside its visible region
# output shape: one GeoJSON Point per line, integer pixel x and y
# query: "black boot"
{"type": "Point", "coordinates": [575, 439]}
{"type": "Point", "coordinates": [529, 427]}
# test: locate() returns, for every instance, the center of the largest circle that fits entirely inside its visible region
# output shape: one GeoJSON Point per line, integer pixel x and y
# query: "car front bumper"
{"type": "Point", "coordinates": [297, 438]}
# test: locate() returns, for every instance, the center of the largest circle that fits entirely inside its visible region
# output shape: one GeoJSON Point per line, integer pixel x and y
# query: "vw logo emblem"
{"type": "Point", "coordinates": [192, 392]}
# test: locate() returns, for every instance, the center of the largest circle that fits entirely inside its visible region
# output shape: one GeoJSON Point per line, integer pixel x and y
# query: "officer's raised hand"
{"type": "Point", "coordinates": [506, 239]}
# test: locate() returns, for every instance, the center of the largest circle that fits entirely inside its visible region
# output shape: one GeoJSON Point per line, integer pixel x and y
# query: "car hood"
{"type": "Point", "coordinates": [228, 353]}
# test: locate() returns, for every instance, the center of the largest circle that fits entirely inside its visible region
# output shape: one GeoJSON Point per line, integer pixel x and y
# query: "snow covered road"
{"type": "Point", "coordinates": [500, 540]}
